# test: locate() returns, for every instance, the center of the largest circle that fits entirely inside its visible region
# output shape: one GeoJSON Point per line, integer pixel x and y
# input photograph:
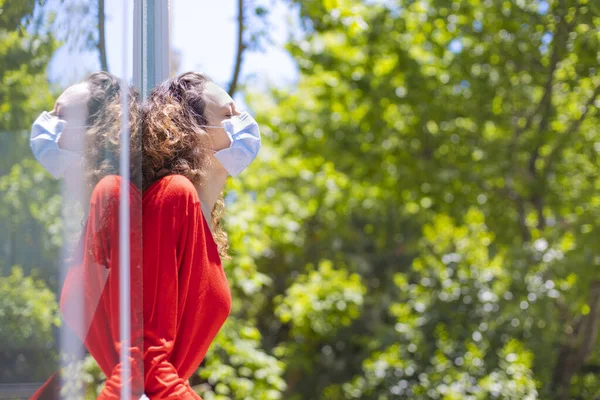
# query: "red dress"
{"type": "Point", "coordinates": [179, 299]}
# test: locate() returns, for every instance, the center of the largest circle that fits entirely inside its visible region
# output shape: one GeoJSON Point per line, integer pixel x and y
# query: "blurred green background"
{"type": "Point", "coordinates": [422, 221]}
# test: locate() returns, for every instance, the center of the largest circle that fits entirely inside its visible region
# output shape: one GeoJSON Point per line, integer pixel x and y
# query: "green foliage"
{"type": "Point", "coordinates": [17, 14]}
{"type": "Point", "coordinates": [449, 314]}
{"type": "Point", "coordinates": [29, 205]}
{"type": "Point", "coordinates": [80, 376]}
{"type": "Point", "coordinates": [409, 116]}
{"type": "Point", "coordinates": [319, 302]}
{"type": "Point", "coordinates": [28, 312]}
{"type": "Point", "coordinates": [422, 221]}
{"type": "Point", "coordinates": [236, 366]}
{"type": "Point", "coordinates": [30, 208]}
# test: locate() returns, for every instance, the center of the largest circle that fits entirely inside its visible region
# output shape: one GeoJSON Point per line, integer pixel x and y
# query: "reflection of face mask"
{"type": "Point", "coordinates": [244, 134]}
{"type": "Point", "coordinates": [45, 133]}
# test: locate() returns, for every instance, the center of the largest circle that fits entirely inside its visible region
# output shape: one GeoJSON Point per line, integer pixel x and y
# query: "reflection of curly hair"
{"type": "Point", "coordinates": [174, 141]}
{"type": "Point", "coordinates": [102, 139]}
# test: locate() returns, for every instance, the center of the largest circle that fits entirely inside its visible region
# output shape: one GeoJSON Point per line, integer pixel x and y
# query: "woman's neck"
{"type": "Point", "coordinates": [209, 193]}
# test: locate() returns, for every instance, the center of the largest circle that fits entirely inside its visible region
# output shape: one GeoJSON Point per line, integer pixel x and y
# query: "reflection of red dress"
{"type": "Point", "coordinates": [184, 300]}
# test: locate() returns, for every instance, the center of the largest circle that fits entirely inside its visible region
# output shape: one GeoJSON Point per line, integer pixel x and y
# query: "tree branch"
{"type": "Point", "coordinates": [240, 49]}
{"type": "Point", "coordinates": [578, 345]}
{"type": "Point", "coordinates": [102, 37]}
{"type": "Point", "coordinates": [590, 369]}
{"type": "Point", "coordinates": [589, 326]}
{"type": "Point", "coordinates": [547, 96]}
{"type": "Point", "coordinates": [562, 140]}
{"type": "Point", "coordinates": [521, 211]}
{"type": "Point", "coordinates": [544, 110]}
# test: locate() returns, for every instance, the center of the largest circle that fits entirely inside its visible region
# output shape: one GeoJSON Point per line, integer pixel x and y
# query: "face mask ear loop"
{"type": "Point", "coordinates": [216, 127]}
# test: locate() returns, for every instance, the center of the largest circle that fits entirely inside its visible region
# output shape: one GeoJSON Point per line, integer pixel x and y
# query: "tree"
{"type": "Point", "coordinates": [29, 201]}
{"type": "Point", "coordinates": [446, 152]}
{"type": "Point", "coordinates": [422, 219]}
{"type": "Point", "coordinates": [252, 32]}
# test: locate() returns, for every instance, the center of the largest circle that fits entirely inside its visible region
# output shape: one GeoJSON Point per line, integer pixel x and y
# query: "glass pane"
{"type": "Point", "coordinates": [65, 191]}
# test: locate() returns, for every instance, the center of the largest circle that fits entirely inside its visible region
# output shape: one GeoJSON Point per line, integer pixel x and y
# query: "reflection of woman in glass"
{"type": "Point", "coordinates": [79, 141]}
{"type": "Point", "coordinates": [83, 130]}
{"type": "Point", "coordinates": [193, 137]}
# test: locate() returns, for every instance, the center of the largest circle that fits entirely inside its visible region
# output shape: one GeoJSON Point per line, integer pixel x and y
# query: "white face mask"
{"type": "Point", "coordinates": [45, 134]}
{"type": "Point", "coordinates": [244, 134]}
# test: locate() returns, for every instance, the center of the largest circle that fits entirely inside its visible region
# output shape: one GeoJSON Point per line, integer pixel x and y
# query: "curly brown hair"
{"type": "Point", "coordinates": [103, 132]}
{"type": "Point", "coordinates": [174, 141]}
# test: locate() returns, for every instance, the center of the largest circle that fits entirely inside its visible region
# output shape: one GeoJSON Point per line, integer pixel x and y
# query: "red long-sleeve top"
{"type": "Point", "coordinates": [180, 297]}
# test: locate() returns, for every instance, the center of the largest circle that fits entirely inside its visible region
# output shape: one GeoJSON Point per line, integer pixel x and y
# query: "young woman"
{"type": "Point", "coordinates": [193, 138]}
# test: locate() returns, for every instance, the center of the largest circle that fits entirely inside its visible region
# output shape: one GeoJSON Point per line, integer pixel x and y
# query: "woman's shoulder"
{"type": "Point", "coordinates": [109, 183]}
{"type": "Point", "coordinates": [178, 183]}
{"type": "Point", "coordinates": [109, 187]}
{"type": "Point", "coordinates": [176, 187]}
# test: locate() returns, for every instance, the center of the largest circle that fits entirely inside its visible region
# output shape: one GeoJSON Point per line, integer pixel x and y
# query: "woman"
{"type": "Point", "coordinates": [79, 142]}
{"type": "Point", "coordinates": [193, 137]}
